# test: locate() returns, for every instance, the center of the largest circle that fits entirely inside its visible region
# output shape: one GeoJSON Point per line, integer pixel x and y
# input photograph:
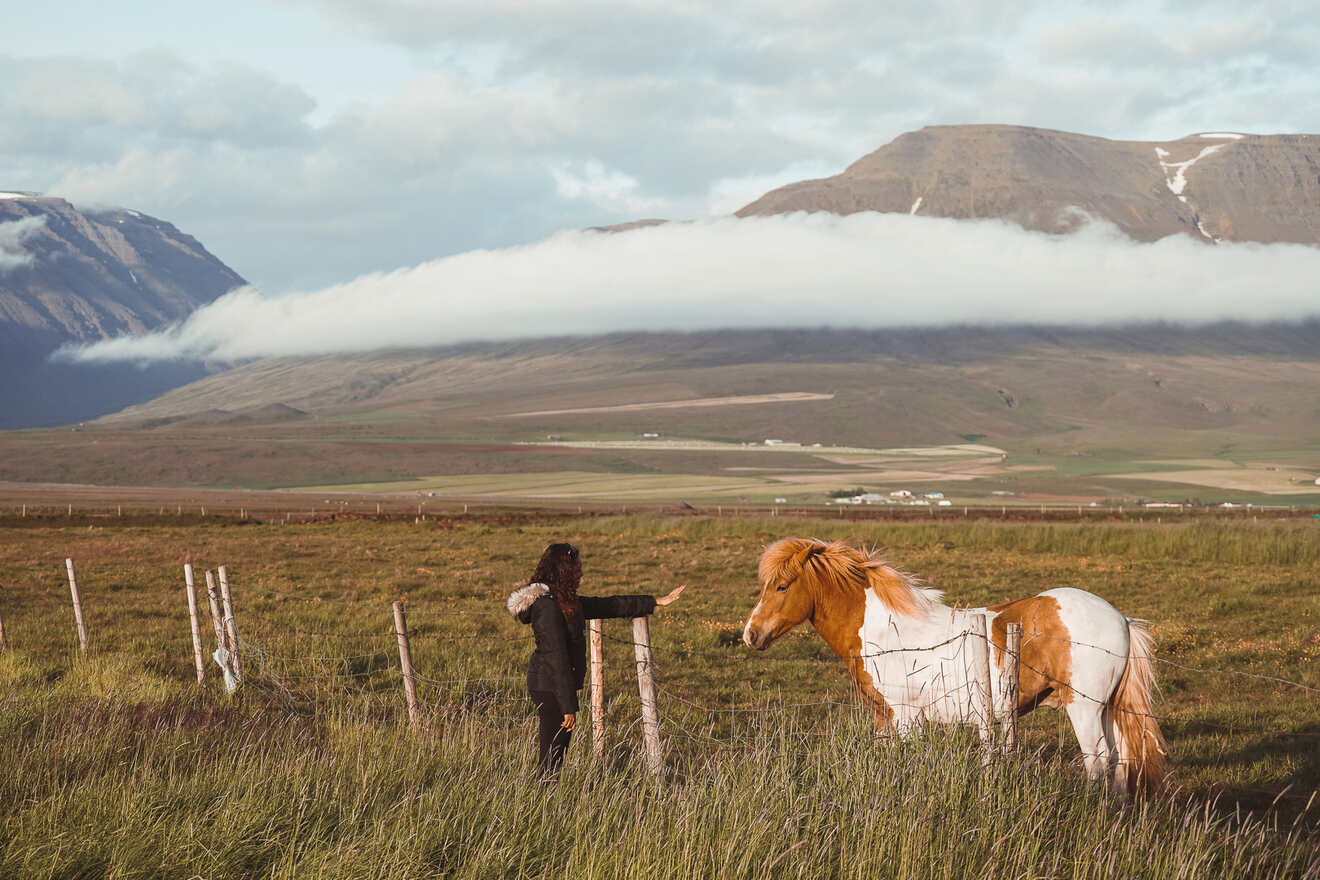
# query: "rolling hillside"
{"type": "Point", "coordinates": [892, 387]}
{"type": "Point", "coordinates": [1058, 411]}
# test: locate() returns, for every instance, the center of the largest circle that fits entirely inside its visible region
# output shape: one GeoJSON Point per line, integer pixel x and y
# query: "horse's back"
{"type": "Point", "coordinates": [1074, 644]}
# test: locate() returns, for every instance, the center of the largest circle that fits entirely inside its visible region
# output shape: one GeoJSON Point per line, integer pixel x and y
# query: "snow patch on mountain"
{"type": "Point", "coordinates": [1178, 181]}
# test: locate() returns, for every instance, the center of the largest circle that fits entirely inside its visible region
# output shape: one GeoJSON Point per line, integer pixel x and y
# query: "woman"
{"type": "Point", "coordinates": [558, 617]}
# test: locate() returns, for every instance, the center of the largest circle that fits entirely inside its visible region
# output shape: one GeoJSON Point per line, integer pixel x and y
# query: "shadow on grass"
{"type": "Point", "coordinates": [1297, 748]}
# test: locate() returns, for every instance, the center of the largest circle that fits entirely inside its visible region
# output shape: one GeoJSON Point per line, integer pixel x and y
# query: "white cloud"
{"type": "Point", "coordinates": [156, 94]}
{"type": "Point", "coordinates": [12, 235]}
{"type": "Point", "coordinates": [161, 178]}
{"type": "Point", "coordinates": [607, 188]}
{"type": "Point", "coordinates": [871, 270]}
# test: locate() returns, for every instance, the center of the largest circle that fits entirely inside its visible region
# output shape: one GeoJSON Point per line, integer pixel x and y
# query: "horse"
{"type": "Point", "coordinates": [904, 650]}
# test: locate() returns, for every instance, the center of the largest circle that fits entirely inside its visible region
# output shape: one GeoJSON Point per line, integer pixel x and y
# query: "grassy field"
{"type": "Point", "coordinates": [119, 765]}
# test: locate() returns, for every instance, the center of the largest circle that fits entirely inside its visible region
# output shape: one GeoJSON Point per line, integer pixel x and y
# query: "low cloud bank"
{"type": "Point", "coordinates": [863, 270]}
{"type": "Point", "coordinates": [12, 235]}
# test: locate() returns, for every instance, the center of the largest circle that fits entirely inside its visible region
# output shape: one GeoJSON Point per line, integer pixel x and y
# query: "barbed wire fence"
{"type": "Point", "coordinates": [368, 666]}
{"type": "Point", "coordinates": [672, 690]}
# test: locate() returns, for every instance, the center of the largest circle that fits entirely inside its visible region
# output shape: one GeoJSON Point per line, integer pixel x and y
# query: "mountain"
{"type": "Point", "coordinates": [70, 275]}
{"type": "Point", "coordinates": [1213, 186]}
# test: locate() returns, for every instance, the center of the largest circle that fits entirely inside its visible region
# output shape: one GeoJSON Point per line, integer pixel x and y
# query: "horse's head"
{"type": "Point", "coordinates": [787, 595]}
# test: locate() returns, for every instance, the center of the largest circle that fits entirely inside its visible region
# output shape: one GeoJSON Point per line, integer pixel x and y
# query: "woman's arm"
{"type": "Point", "coordinates": [671, 596]}
{"type": "Point", "coordinates": [625, 606]}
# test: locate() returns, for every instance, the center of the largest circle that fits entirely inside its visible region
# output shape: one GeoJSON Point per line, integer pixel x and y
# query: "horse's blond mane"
{"type": "Point", "coordinates": [840, 567]}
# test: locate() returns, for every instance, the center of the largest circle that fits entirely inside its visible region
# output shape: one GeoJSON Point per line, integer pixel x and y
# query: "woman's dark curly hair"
{"type": "Point", "coordinates": [560, 569]}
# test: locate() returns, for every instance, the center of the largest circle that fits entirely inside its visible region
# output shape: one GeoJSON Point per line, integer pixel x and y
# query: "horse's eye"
{"type": "Point", "coordinates": [782, 588]}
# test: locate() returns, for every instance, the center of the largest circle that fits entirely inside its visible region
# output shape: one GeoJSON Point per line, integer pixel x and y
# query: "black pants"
{"type": "Point", "coordinates": [552, 739]}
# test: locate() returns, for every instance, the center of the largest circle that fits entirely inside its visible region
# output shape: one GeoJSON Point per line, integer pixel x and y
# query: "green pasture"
{"type": "Point", "coordinates": [119, 765]}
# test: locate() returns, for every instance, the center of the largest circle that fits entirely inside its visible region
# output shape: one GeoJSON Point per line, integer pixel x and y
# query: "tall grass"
{"type": "Point", "coordinates": [181, 787]}
{"type": "Point", "coordinates": [115, 765]}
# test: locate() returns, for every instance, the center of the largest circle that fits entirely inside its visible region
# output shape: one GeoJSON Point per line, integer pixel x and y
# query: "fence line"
{"type": "Point", "coordinates": [429, 607]}
{"type": "Point", "coordinates": [1202, 669]}
{"type": "Point", "coordinates": [274, 680]}
{"type": "Point", "coordinates": [327, 634]}
{"type": "Point", "coordinates": [248, 645]}
{"type": "Point", "coordinates": [690, 652]}
{"type": "Point", "coordinates": [751, 709]}
{"type": "Point", "coordinates": [268, 661]}
{"type": "Point", "coordinates": [961, 638]}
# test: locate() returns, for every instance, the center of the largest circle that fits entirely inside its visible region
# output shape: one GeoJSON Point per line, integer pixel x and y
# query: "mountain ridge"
{"type": "Point", "coordinates": [75, 276]}
{"type": "Point", "coordinates": [1214, 186]}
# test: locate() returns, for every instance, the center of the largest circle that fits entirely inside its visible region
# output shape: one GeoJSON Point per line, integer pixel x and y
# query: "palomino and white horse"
{"type": "Point", "coordinates": [905, 651]}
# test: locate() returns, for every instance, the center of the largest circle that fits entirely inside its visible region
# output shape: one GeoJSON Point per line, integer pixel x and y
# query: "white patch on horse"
{"type": "Point", "coordinates": [917, 663]}
{"type": "Point", "coordinates": [747, 627]}
{"type": "Point", "coordinates": [1097, 663]}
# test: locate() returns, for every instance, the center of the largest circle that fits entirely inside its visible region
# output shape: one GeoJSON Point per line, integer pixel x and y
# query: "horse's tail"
{"type": "Point", "coordinates": [1142, 753]}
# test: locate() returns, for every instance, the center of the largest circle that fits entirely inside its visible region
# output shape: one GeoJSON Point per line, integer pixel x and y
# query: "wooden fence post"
{"type": "Point", "coordinates": [646, 689]}
{"type": "Point", "coordinates": [77, 607]}
{"type": "Point", "coordinates": [979, 655]}
{"type": "Point", "coordinates": [231, 628]}
{"type": "Point", "coordinates": [191, 589]}
{"type": "Point", "coordinates": [4, 643]}
{"type": "Point", "coordinates": [405, 661]}
{"type": "Point", "coordinates": [1012, 660]}
{"type": "Point", "coordinates": [221, 642]}
{"type": "Point", "coordinates": [597, 688]}
{"type": "Point", "coordinates": [214, 601]}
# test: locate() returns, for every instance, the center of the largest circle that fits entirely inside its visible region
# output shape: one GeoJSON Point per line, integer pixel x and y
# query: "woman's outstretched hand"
{"type": "Point", "coordinates": [666, 599]}
{"type": "Point", "coordinates": [570, 721]}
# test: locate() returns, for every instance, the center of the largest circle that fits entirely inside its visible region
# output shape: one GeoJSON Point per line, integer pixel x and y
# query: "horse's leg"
{"type": "Point", "coordinates": [1118, 783]}
{"type": "Point", "coordinates": [880, 712]}
{"type": "Point", "coordinates": [1087, 721]}
{"type": "Point", "coordinates": [871, 698]}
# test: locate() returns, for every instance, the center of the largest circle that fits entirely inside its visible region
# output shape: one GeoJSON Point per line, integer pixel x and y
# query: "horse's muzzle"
{"type": "Point", "coordinates": [756, 640]}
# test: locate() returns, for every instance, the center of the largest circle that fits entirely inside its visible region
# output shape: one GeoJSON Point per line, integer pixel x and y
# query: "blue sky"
{"type": "Point", "coordinates": [306, 143]}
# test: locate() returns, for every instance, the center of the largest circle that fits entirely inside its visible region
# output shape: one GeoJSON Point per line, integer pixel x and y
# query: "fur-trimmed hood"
{"type": "Point", "coordinates": [522, 598]}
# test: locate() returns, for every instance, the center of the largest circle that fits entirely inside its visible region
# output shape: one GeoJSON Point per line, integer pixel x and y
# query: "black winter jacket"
{"type": "Point", "coordinates": [559, 664]}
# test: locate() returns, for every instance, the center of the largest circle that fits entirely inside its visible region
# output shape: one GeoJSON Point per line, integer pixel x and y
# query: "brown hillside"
{"type": "Point", "coordinates": [1240, 188]}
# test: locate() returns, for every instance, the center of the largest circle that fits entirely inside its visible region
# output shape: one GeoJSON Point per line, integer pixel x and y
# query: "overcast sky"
{"type": "Point", "coordinates": [306, 143]}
